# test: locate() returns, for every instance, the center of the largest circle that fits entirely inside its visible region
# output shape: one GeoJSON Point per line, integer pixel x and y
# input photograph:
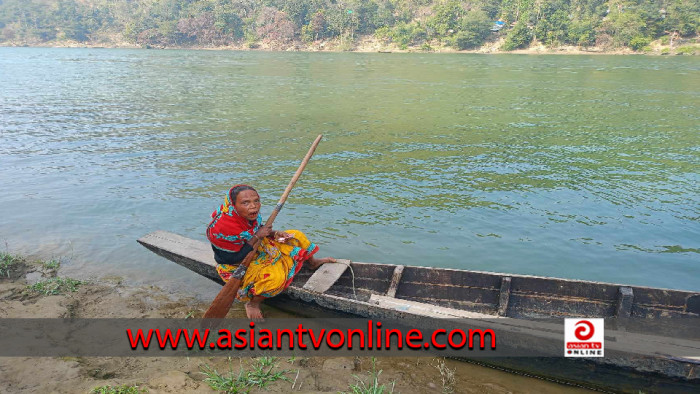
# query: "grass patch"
{"type": "Point", "coordinates": [124, 389]}
{"type": "Point", "coordinates": [260, 376]}
{"type": "Point", "coordinates": [372, 386]}
{"type": "Point", "coordinates": [7, 261]}
{"type": "Point", "coordinates": [686, 50]}
{"type": "Point", "coordinates": [55, 286]}
{"type": "Point", "coordinates": [225, 383]}
{"type": "Point", "coordinates": [447, 376]}
{"type": "Point", "coordinates": [52, 264]}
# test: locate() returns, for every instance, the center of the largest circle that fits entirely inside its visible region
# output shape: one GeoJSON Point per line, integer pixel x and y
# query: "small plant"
{"type": "Point", "coordinates": [447, 376]}
{"type": "Point", "coordinates": [7, 261]}
{"type": "Point", "coordinates": [55, 286]}
{"type": "Point", "coordinates": [124, 389]}
{"type": "Point", "coordinates": [373, 386]}
{"type": "Point", "coordinates": [267, 361]}
{"type": "Point", "coordinates": [260, 376]}
{"type": "Point", "coordinates": [227, 384]}
{"type": "Point", "coordinates": [52, 264]}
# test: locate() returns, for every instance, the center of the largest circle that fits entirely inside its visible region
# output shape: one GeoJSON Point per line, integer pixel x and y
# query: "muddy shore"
{"type": "Point", "coordinates": [23, 288]}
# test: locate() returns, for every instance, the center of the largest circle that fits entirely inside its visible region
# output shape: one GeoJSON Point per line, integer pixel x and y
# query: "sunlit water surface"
{"type": "Point", "coordinates": [580, 167]}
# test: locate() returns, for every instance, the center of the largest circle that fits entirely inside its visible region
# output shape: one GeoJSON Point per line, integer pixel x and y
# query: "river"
{"type": "Point", "coordinates": [581, 167]}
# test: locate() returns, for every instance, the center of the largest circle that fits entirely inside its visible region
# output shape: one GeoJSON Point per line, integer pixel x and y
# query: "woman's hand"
{"type": "Point", "coordinates": [264, 231]}
{"type": "Point", "coordinates": [281, 236]}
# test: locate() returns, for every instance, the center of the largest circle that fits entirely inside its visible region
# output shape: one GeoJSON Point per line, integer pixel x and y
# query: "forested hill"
{"type": "Point", "coordinates": [420, 24]}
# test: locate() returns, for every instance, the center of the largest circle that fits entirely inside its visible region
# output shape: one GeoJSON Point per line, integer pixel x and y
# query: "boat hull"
{"type": "Point", "coordinates": [510, 302]}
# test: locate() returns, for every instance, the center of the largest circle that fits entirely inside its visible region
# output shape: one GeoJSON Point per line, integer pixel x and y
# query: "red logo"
{"type": "Point", "coordinates": [584, 337]}
{"type": "Point", "coordinates": [584, 333]}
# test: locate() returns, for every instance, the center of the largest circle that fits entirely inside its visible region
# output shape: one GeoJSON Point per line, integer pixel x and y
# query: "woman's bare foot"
{"type": "Point", "coordinates": [314, 263]}
{"type": "Point", "coordinates": [252, 309]}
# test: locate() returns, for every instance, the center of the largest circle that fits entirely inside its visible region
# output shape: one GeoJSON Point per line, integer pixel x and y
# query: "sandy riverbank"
{"type": "Point", "coordinates": [112, 298]}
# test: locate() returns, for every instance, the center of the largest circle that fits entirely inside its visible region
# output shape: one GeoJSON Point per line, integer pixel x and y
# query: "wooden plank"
{"type": "Point", "coordinates": [659, 297]}
{"type": "Point", "coordinates": [452, 292]}
{"type": "Point", "coordinates": [462, 305]}
{"type": "Point", "coordinates": [563, 288]}
{"type": "Point", "coordinates": [189, 253]}
{"type": "Point", "coordinates": [504, 296]}
{"type": "Point", "coordinates": [624, 302]}
{"type": "Point", "coordinates": [326, 276]}
{"type": "Point", "coordinates": [451, 277]}
{"type": "Point", "coordinates": [395, 279]}
{"type": "Point", "coordinates": [377, 285]}
{"type": "Point", "coordinates": [422, 309]}
{"type": "Point", "coordinates": [692, 304]}
{"type": "Point", "coordinates": [655, 312]}
{"type": "Point", "coordinates": [530, 305]}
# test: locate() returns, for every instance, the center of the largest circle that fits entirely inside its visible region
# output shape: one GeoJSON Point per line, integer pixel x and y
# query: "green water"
{"type": "Point", "coordinates": [581, 167]}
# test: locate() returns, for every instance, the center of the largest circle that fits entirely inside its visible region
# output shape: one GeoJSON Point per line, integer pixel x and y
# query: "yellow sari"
{"type": "Point", "coordinates": [274, 267]}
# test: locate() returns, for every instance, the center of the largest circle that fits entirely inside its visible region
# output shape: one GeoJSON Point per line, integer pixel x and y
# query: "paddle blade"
{"type": "Point", "coordinates": [222, 303]}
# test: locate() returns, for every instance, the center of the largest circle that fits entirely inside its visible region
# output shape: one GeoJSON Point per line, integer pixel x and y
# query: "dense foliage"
{"type": "Point", "coordinates": [420, 23]}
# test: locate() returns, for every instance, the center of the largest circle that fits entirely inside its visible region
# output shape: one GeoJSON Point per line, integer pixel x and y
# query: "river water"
{"type": "Point", "coordinates": [581, 167]}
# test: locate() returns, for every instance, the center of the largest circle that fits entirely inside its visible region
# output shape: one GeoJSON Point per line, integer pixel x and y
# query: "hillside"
{"type": "Point", "coordinates": [663, 26]}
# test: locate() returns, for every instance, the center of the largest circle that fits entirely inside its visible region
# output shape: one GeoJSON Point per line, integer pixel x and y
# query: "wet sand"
{"type": "Point", "coordinates": [112, 298]}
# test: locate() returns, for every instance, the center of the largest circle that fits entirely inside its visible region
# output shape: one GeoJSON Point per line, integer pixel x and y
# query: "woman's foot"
{"type": "Point", "coordinates": [252, 309]}
{"type": "Point", "coordinates": [314, 263]}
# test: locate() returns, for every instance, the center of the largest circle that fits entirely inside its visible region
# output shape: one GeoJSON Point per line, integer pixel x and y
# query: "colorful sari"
{"type": "Point", "coordinates": [276, 263]}
{"type": "Point", "coordinates": [274, 268]}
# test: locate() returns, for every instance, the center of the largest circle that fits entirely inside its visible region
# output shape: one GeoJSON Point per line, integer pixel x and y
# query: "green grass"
{"type": "Point", "coordinates": [7, 261]}
{"type": "Point", "coordinates": [124, 389]}
{"type": "Point", "coordinates": [686, 50]}
{"type": "Point", "coordinates": [55, 286]}
{"type": "Point", "coordinates": [52, 264]}
{"type": "Point", "coordinates": [260, 376]}
{"type": "Point", "coordinates": [266, 361]}
{"type": "Point", "coordinates": [227, 384]}
{"type": "Point", "coordinates": [372, 386]}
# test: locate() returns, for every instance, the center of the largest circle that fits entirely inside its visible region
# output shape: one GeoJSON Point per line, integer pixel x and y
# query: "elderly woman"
{"type": "Point", "coordinates": [234, 230]}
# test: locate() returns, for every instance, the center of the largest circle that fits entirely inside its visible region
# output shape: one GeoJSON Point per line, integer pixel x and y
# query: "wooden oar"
{"type": "Point", "coordinates": [223, 301]}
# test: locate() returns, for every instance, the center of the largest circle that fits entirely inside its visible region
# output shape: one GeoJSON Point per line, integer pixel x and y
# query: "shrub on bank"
{"type": "Point", "coordinates": [519, 37]}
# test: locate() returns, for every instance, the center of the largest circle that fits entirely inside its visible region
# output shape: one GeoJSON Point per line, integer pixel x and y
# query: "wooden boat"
{"type": "Point", "coordinates": [517, 301]}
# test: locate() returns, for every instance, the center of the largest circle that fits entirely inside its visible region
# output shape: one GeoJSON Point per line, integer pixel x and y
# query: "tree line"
{"type": "Point", "coordinates": [406, 23]}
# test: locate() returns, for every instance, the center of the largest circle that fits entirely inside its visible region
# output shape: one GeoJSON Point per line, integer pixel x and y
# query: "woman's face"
{"type": "Point", "coordinates": [248, 204]}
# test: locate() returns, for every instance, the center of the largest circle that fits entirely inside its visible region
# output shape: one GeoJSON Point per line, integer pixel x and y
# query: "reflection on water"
{"type": "Point", "coordinates": [571, 166]}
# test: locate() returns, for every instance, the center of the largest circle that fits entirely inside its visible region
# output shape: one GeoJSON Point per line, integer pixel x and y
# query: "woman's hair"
{"type": "Point", "coordinates": [233, 193]}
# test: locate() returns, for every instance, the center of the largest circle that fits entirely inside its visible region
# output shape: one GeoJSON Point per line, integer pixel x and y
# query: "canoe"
{"type": "Point", "coordinates": [515, 302]}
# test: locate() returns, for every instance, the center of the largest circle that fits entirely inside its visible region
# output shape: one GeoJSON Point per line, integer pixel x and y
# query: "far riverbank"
{"type": "Point", "coordinates": [690, 47]}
